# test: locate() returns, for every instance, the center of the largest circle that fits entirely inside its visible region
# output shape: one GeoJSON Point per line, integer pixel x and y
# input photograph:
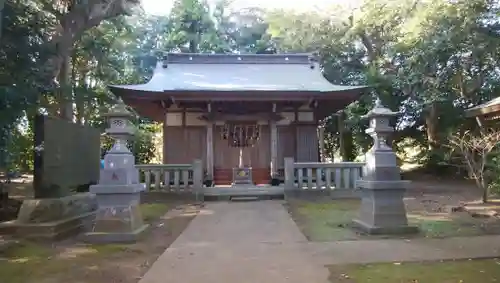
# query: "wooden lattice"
{"type": "Point", "coordinates": [241, 135]}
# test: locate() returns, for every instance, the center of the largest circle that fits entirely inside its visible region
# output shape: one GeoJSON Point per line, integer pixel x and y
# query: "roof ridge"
{"type": "Point", "coordinates": [204, 58]}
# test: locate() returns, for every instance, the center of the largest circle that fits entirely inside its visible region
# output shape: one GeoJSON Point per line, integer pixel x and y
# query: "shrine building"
{"type": "Point", "coordinates": [239, 111]}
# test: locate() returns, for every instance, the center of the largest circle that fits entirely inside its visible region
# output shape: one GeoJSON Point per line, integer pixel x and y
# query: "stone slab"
{"type": "Point", "coordinates": [244, 190]}
{"type": "Point", "coordinates": [333, 194]}
{"type": "Point", "coordinates": [386, 230]}
{"type": "Point", "coordinates": [105, 238]}
{"type": "Point", "coordinates": [53, 230]}
{"type": "Point", "coordinates": [55, 209]}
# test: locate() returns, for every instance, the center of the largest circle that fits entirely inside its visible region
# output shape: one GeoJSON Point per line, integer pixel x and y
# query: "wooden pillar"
{"type": "Point", "coordinates": [295, 134]}
{"type": "Point", "coordinates": [274, 145]}
{"type": "Point", "coordinates": [274, 148]}
{"type": "Point", "coordinates": [321, 139]}
{"type": "Point", "coordinates": [165, 138]}
{"type": "Point", "coordinates": [210, 148]}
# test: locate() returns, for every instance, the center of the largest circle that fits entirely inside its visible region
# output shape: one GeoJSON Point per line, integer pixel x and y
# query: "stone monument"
{"type": "Point", "coordinates": [382, 208]}
{"type": "Point", "coordinates": [118, 217]}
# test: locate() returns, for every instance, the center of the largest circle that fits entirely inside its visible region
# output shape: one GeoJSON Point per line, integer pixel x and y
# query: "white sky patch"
{"type": "Point", "coordinates": [162, 7]}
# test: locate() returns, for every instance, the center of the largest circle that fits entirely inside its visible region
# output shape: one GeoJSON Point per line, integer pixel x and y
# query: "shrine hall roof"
{"type": "Point", "coordinates": [233, 73]}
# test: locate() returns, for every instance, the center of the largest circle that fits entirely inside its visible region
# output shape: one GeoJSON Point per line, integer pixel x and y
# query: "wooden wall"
{"type": "Point", "coordinates": [183, 145]}
{"type": "Point", "coordinates": [286, 144]}
{"type": "Point", "coordinates": [307, 143]}
{"type": "Point", "coordinates": [185, 140]}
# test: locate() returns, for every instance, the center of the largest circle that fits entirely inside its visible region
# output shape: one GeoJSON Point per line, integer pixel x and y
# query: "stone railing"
{"type": "Point", "coordinates": [176, 178]}
{"type": "Point", "coordinates": [321, 176]}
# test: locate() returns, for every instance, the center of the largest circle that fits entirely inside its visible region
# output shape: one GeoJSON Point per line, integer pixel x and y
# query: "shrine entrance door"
{"type": "Point", "coordinates": [241, 144]}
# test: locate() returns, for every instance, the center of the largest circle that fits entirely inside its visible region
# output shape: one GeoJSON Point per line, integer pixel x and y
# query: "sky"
{"type": "Point", "coordinates": [162, 7]}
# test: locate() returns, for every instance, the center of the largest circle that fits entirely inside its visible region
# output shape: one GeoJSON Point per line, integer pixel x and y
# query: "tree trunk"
{"type": "Point", "coordinates": [81, 17]}
{"type": "Point", "coordinates": [192, 46]}
{"type": "Point", "coordinates": [432, 131]}
{"type": "Point", "coordinates": [79, 95]}
{"type": "Point", "coordinates": [65, 97]}
{"type": "Point", "coordinates": [431, 121]}
{"type": "Point", "coordinates": [341, 130]}
{"type": "Point", "coordinates": [486, 191]}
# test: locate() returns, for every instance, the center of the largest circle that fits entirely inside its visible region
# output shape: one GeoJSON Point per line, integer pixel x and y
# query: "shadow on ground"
{"type": "Point", "coordinates": [73, 261]}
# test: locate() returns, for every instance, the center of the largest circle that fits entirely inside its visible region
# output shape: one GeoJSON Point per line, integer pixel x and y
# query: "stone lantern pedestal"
{"type": "Point", "coordinates": [118, 217]}
{"type": "Point", "coordinates": [382, 190]}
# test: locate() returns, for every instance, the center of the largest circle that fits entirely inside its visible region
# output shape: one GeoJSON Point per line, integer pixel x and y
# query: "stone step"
{"type": "Point", "coordinates": [244, 198]}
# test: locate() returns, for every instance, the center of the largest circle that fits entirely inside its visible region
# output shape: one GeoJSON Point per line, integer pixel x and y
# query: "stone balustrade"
{"type": "Point", "coordinates": [176, 178]}
{"type": "Point", "coordinates": [322, 176]}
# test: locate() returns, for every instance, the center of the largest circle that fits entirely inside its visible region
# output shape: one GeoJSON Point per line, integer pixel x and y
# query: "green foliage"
{"type": "Point", "coordinates": [141, 145]}
{"type": "Point", "coordinates": [416, 55]}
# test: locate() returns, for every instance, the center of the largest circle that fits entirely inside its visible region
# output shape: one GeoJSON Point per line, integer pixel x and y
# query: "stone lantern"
{"type": "Point", "coordinates": [118, 217]}
{"type": "Point", "coordinates": [382, 208]}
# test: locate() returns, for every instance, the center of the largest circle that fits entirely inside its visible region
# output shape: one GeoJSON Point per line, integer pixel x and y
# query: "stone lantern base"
{"type": "Point", "coordinates": [382, 208]}
{"type": "Point", "coordinates": [118, 218]}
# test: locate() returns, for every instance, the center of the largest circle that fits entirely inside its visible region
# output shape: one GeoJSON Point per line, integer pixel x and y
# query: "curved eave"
{"type": "Point", "coordinates": [238, 95]}
{"type": "Point", "coordinates": [195, 79]}
{"type": "Point", "coordinates": [150, 103]}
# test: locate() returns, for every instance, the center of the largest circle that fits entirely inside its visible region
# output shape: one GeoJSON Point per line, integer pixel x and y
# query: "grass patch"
{"type": "Point", "coordinates": [152, 211]}
{"type": "Point", "coordinates": [109, 248]}
{"type": "Point", "coordinates": [331, 221]}
{"type": "Point", "coordinates": [30, 261]}
{"type": "Point", "coordinates": [468, 271]}
{"type": "Point", "coordinates": [325, 221]}
{"type": "Point", "coordinates": [20, 263]}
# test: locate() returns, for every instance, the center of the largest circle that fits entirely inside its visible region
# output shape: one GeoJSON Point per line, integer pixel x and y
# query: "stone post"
{"type": "Point", "coordinates": [198, 179]}
{"type": "Point", "coordinates": [382, 208]}
{"type": "Point", "coordinates": [118, 217]}
{"type": "Point", "coordinates": [289, 173]}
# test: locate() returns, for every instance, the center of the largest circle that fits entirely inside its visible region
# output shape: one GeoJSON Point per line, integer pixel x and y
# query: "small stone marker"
{"type": "Point", "coordinates": [382, 208]}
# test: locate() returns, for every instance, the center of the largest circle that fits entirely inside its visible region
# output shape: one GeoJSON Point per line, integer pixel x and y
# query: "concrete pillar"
{"type": "Point", "coordinates": [382, 208]}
